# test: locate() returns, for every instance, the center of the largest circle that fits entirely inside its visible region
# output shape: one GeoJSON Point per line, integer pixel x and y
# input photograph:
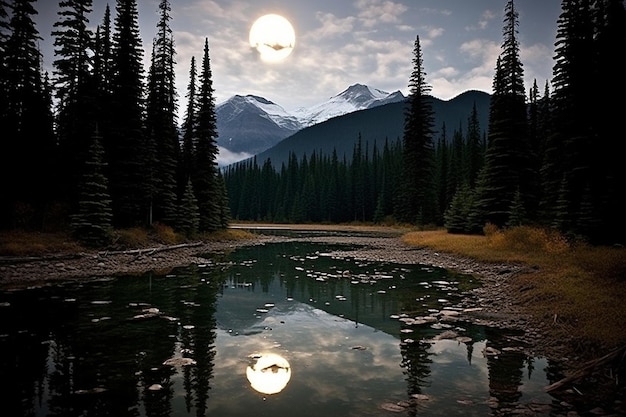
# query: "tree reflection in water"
{"type": "Point", "coordinates": [100, 348]}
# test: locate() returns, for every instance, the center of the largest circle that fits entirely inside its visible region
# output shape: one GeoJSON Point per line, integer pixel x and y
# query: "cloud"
{"type": "Point", "coordinates": [332, 26]}
{"type": "Point", "coordinates": [374, 12]}
{"type": "Point", "coordinates": [226, 157]}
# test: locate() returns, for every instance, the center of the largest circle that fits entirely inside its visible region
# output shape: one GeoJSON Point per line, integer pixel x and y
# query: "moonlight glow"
{"type": "Point", "coordinates": [273, 37]}
{"type": "Point", "coordinates": [268, 373]}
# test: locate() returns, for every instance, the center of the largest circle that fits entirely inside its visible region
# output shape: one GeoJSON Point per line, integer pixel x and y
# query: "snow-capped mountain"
{"type": "Point", "coordinates": [354, 98]}
{"type": "Point", "coordinates": [248, 125]}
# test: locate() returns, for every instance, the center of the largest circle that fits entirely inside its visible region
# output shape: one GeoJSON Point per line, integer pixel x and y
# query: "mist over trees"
{"type": "Point", "coordinates": [96, 145]}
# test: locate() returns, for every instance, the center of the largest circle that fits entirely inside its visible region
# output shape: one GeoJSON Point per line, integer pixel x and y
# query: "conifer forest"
{"type": "Point", "coordinates": [96, 145]}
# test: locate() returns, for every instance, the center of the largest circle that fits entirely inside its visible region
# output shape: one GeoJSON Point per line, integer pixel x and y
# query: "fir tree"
{"type": "Point", "coordinates": [161, 121]}
{"type": "Point", "coordinates": [125, 143]}
{"type": "Point", "coordinates": [186, 166]}
{"type": "Point", "coordinates": [103, 71]}
{"type": "Point", "coordinates": [457, 215]}
{"type": "Point", "coordinates": [567, 160]}
{"type": "Point", "coordinates": [92, 223]}
{"type": "Point", "coordinates": [205, 184]}
{"type": "Point", "coordinates": [416, 198]}
{"type": "Point", "coordinates": [189, 219]}
{"type": "Point", "coordinates": [28, 140]}
{"type": "Point", "coordinates": [475, 149]}
{"type": "Point", "coordinates": [74, 88]}
{"type": "Point", "coordinates": [507, 167]}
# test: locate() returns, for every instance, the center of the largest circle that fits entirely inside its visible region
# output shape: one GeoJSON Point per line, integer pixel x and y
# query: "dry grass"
{"type": "Point", "coordinates": [20, 243]}
{"type": "Point", "coordinates": [579, 289]}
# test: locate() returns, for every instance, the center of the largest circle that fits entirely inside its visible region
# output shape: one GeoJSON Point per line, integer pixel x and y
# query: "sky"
{"type": "Point", "coordinates": [340, 43]}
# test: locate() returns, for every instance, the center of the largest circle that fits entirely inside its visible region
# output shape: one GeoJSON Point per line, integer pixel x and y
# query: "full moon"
{"type": "Point", "coordinates": [273, 37]}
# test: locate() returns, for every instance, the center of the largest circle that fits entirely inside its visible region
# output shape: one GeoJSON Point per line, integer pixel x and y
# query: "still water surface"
{"type": "Point", "coordinates": [283, 329]}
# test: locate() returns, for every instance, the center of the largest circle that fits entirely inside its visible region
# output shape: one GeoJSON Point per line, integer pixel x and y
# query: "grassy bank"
{"type": "Point", "coordinates": [576, 289]}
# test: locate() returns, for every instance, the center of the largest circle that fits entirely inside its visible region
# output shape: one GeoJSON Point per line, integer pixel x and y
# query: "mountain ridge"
{"type": "Point", "coordinates": [250, 124]}
{"type": "Point", "coordinates": [375, 125]}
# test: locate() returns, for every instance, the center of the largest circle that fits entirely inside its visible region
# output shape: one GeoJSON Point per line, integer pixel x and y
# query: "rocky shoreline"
{"type": "Point", "coordinates": [493, 304]}
{"type": "Point", "coordinates": [494, 298]}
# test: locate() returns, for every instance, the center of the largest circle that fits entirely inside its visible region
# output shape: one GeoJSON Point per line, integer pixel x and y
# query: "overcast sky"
{"type": "Point", "coordinates": [342, 42]}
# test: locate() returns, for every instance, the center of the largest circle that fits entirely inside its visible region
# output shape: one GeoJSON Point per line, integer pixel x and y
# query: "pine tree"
{"type": "Point", "coordinates": [507, 166]}
{"type": "Point", "coordinates": [457, 215]}
{"type": "Point", "coordinates": [103, 68]}
{"type": "Point", "coordinates": [161, 123]}
{"type": "Point", "coordinates": [74, 90]}
{"type": "Point", "coordinates": [416, 198]}
{"type": "Point", "coordinates": [609, 178]}
{"type": "Point", "coordinates": [189, 219]}
{"type": "Point", "coordinates": [567, 162]}
{"type": "Point", "coordinates": [92, 223]}
{"type": "Point", "coordinates": [28, 140]}
{"type": "Point", "coordinates": [205, 184]}
{"type": "Point", "coordinates": [223, 202]}
{"type": "Point", "coordinates": [126, 142]}
{"type": "Point", "coordinates": [186, 166]}
{"type": "Point", "coordinates": [475, 148]}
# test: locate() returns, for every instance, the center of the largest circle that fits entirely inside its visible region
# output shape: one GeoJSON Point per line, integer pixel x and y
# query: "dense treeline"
{"type": "Point", "coordinates": [96, 145]}
{"type": "Point", "coordinates": [548, 159]}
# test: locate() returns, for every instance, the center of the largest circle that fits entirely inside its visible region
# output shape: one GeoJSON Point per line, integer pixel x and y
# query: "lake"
{"type": "Point", "coordinates": [280, 329]}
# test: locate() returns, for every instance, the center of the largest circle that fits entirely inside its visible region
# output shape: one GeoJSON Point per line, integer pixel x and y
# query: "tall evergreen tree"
{"type": "Point", "coordinates": [28, 140]}
{"type": "Point", "coordinates": [417, 198]}
{"type": "Point", "coordinates": [507, 165]}
{"type": "Point", "coordinates": [92, 222]}
{"type": "Point", "coordinates": [475, 149]}
{"type": "Point", "coordinates": [126, 139]}
{"type": "Point", "coordinates": [205, 177]}
{"type": "Point", "coordinates": [74, 89]}
{"type": "Point", "coordinates": [103, 68]}
{"type": "Point", "coordinates": [186, 166]}
{"type": "Point", "coordinates": [609, 178]}
{"type": "Point", "coordinates": [161, 123]}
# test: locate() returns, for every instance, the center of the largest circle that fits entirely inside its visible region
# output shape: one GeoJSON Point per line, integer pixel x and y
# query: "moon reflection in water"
{"type": "Point", "coordinates": [268, 373]}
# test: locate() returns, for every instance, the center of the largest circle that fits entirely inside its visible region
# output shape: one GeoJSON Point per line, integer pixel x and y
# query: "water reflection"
{"type": "Point", "coordinates": [268, 373]}
{"type": "Point", "coordinates": [372, 341]}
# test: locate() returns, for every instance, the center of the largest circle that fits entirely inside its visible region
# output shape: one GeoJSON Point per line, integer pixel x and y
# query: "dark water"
{"type": "Point", "coordinates": [272, 330]}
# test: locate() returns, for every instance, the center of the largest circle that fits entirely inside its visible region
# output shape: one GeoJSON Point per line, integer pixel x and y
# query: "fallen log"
{"type": "Point", "coordinates": [618, 356]}
{"type": "Point", "coordinates": [150, 251]}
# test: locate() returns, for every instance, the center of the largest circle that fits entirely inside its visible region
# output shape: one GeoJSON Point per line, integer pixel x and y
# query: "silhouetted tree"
{"type": "Point", "coordinates": [416, 198]}
{"type": "Point", "coordinates": [126, 141]}
{"type": "Point", "coordinates": [74, 91]}
{"type": "Point", "coordinates": [28, 145]}
{"type": "Point", "coordinates": [92, 222]}
{"type": "Point", "coordinates": [205, 178]}
{"type": "Point", "coordinates": [507, 166]}
{"type": "Point", "coordinates": [161, 123]}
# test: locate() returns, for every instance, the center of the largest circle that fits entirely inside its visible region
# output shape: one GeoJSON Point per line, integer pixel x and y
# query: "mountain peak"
{"type": "Point", "coordinates": [361, 90]}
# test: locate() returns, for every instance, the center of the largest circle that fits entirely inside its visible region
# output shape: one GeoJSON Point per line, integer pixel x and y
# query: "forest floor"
{"type": "Point", "coordinates": [593, 368]}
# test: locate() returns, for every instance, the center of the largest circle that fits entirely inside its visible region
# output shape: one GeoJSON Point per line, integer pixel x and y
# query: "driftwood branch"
{"type": "Point", "coordinates": [618, 355]}
{"type": "Point", "coordinates": [150, 251]}
{"type": "Point", "coordinates": [65, 256]}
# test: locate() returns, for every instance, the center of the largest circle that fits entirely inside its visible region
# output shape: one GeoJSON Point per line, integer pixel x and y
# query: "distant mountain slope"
{"type": "Point", "coordinates": [375, 124]}
{"type": "Point", "coordinates": [251, 124]}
